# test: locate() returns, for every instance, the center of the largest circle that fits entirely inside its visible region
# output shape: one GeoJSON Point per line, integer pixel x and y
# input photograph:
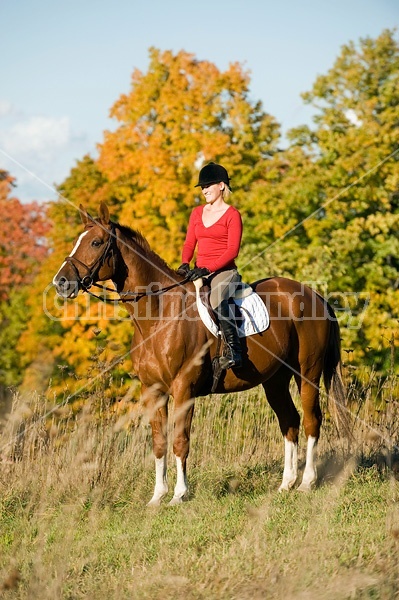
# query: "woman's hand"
{"type": "Point", "coordinates": [183, 270]}
{"type": "Point", "coordinates": [197, 273]}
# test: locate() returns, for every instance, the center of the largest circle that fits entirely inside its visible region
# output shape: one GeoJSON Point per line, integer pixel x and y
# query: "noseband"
{"type": "Point", "coordinates": [88, 280]}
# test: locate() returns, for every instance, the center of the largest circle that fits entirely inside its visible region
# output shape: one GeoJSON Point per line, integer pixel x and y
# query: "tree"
{"type": "Point", "coordinates": [324, 211]}
{"type": "Point", "coordinates": [13, 319]}
{"type": "Point", "coordinates": [67, 340]}
{"type": "Point", "coordinates": [179, 115]}
{"type": "Point", "coordinates": [23, 228]}
{"type": "Point", "coordinates": [22, 238]}
{"type": "Point", "coordinates": [347, 190]}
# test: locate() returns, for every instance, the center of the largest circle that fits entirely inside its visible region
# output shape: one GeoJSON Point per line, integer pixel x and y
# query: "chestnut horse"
{"type": "Point", "coordinates": [172, 351]}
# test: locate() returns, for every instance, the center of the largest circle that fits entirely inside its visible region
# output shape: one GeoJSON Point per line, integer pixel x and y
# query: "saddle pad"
{"type": "Point", "coordinates": [253, 311]}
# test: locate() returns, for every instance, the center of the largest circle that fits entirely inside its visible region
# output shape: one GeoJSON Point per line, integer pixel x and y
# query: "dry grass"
{"type": "Point", "coordinates": [73, 520]}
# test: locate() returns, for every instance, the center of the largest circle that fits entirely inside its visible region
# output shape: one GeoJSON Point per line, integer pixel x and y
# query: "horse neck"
{"type": "Point", "coordinates": [140, 266]}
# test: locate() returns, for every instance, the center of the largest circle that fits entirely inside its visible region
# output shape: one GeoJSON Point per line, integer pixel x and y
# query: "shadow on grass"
{"type": "Point", "coordinates": [245, 481]}
{"type": "Point", "coordinates": [331, 467]}
{"type": "Point", "coordinates": [259, 479]}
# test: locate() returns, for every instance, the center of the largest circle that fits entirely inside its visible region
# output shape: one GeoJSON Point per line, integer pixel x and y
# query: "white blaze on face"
{"type": "Point", "coordinates": [76, 246]}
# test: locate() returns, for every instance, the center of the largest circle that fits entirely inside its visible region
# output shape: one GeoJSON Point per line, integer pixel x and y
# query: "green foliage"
{"type": "Point", "coordinates": [13, 320]}
{"type": "Point", "coordinates": [329, 206]}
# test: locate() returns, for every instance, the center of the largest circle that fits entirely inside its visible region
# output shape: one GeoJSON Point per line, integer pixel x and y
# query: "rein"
{"type": "Point", "coordinates": [135, 295]}
{"type": "Point", "coordinates": [87, 281]}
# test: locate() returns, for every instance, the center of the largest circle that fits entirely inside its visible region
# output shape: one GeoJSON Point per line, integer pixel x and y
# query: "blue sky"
{"type": "Point", "coordinates": [65, 63]}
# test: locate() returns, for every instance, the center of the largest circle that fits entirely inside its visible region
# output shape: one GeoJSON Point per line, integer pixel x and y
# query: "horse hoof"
{"type": "Point", "coordinates": [305, 487]}
{"type": "Point", "coordinates": [283, 488]}
{"type": "Point", "coordinates": [286, 486]}
{"type": "Point", "coordinates": [154, 502]}
{"type": "Point", "coordinates": [176, 500]}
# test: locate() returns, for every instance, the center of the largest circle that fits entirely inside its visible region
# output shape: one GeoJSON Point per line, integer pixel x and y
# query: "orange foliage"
{"type": "Point", "coordinates": [22, 238]}
{"type": "Point", "coordinates": [180, 114]}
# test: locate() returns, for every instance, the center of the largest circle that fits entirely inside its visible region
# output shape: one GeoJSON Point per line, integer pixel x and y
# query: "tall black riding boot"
{"type": "Point", "coordinates": [233, 355]}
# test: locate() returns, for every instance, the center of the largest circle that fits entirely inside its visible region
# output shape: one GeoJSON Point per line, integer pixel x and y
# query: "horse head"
{"type": "Point", "coordinates": [92, 258]}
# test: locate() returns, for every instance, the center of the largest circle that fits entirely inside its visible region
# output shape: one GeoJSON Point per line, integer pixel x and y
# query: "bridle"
{"type": "Point", "coordinates": [87, 281]}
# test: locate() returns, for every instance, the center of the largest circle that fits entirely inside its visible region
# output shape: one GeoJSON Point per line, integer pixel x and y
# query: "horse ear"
{"type": "Point", "coordinates": [104, 213]}
{"type": "Point", "coordinates": [84, 215]}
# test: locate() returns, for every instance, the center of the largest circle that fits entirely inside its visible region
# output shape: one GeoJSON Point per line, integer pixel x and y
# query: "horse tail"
{"type": "Point", "coordinates": [332, 375]}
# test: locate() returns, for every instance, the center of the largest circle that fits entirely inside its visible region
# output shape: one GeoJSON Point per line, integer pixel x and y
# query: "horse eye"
{"type": "Point", "coordinates": [96, 243]}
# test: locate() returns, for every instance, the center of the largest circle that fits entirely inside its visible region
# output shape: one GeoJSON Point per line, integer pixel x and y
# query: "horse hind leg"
{"type": "Point", "coordinates": [279, 398]}
{"type": "Point", "coordinates": [312, 418]}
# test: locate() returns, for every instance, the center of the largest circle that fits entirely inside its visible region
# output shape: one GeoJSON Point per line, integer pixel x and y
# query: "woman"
{"type": "Point", "coordinates": [216, 229]}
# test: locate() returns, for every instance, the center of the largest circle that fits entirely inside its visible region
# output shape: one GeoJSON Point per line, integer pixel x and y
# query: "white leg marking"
{"type": "Point", "coordinates": [76, 246]}
{"type": "Point", "coordinates": [181, 488]}
{"type": "Point", "coordinates": [161, 482]}
{"type": "Point", "coordinates": [290, 465]}
{"type": "Point", "coordinates": [310, 473]}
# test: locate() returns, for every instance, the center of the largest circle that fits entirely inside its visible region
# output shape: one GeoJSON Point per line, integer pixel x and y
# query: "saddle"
{"type": "Point", "coordinates": [242, 290]}
{"type": "Point", "coordinates": [250, 313]}
{"type": "Point", "coordinates": [252, 316]}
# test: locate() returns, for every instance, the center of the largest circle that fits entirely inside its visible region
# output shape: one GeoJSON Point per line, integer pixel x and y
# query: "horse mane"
{"type": "Point", "coordinates": [132, 235]}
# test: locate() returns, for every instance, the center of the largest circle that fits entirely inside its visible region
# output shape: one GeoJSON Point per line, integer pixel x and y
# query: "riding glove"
{"type": "Point", "coordinates": [183, 270]}
{"type": "Point", "coordinates": [198, 272]}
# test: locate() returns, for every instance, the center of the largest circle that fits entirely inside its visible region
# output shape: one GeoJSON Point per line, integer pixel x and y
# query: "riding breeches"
{"type": "Point", "coordinates": [223, 286]}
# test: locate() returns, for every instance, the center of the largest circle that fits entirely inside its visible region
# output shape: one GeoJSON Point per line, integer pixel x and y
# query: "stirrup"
{"type": "Point", "coordinates": [230, 361]}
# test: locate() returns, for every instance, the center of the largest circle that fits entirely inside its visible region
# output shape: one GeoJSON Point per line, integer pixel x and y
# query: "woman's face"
{"type": "Point", "coordinates": [213, 192]}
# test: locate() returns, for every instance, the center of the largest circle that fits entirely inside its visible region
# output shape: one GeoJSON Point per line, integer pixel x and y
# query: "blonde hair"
{"type": "Point", "coordinates": [226, 193]}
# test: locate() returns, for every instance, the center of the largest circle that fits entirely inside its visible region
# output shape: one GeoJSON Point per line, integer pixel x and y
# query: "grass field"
{"type": "Point", "coordinates": [74, 522]}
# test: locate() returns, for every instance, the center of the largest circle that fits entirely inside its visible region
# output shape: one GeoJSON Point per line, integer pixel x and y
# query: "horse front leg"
{"type": "Point", "coordinates": [184, 411]}
{"type": "Point", "coordinates": [157, 409]}
{"type": "Point", "coordinates": [290, 472]}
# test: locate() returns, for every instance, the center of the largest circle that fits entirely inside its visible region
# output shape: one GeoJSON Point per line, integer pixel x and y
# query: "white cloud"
{"type": "Point", "coordinates": [39, 152]}
{"type": "Point", "coordinates": [41, 135]}
{"type": "Point", "coordinates": [6, 108]}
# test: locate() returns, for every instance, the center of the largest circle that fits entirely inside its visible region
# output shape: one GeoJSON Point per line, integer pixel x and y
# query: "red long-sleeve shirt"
{"type": "Point", "coordinates": [218, 245]}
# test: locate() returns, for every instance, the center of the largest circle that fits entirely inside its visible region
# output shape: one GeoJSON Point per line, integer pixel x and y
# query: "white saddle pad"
{"type": "Point", "coordinates": [253, 311]}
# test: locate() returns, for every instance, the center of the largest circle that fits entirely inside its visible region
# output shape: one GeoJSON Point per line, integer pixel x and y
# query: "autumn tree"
{"type": "Point", "coordinates": [180, 114]}
{"type": "Point", "coordinates": [324, 211]}
{"type": "Point", "coordinates": [66, 339]}
{"type": "Point", "coordinates": [22, 238]}
{"type": "Point", "coordinates": [335, 195]}
{"type": "Point", "coordinates": [23, 247]}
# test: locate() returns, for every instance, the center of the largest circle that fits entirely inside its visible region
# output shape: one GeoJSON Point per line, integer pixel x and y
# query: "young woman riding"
{"type": "Point", "coordinates": [215, 229]}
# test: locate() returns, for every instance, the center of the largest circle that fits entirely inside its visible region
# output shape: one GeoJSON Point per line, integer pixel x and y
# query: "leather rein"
{"type": "Point", "coordinates": [87, 281]}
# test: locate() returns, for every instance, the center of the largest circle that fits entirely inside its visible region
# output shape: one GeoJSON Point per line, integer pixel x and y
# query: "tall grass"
{"type": "Point", "coordinates": [74, 487]}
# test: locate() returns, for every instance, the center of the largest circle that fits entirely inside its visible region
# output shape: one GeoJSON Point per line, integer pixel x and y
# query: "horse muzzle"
{"type": "Point", "coordinates": [66, 288]}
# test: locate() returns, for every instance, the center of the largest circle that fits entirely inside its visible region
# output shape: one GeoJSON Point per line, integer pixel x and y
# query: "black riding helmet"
{"type": "Point", "coordinates": [213, 173]}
